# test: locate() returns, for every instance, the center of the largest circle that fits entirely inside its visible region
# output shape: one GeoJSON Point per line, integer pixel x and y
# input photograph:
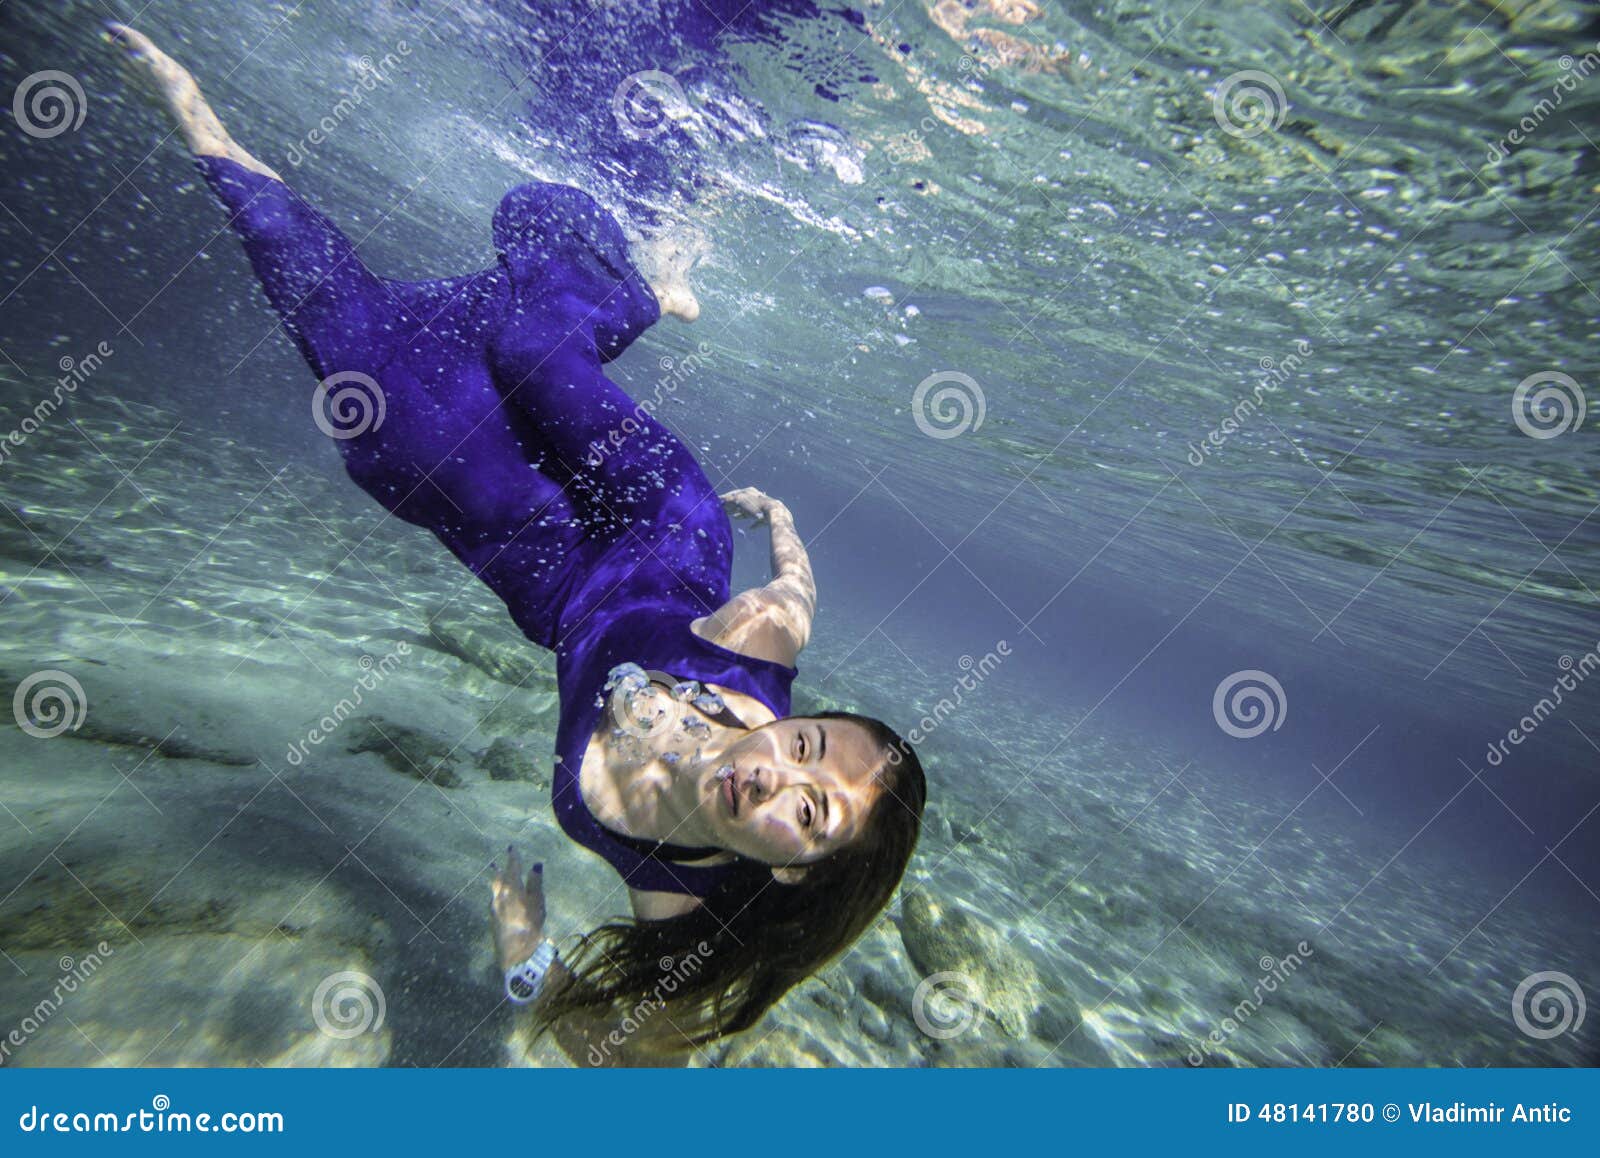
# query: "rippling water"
{"type": "Point", "coordinates": [1225, 319]}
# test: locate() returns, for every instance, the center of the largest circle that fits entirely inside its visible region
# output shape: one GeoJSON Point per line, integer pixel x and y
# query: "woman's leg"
{"type": "Point", "coordinates": [341, 315]}
{"type": "Point", "coordinates": [432, 443]}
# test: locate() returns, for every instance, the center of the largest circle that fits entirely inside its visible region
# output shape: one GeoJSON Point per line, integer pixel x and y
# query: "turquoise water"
{"type": "Point", "coordinates": [1243, 294]}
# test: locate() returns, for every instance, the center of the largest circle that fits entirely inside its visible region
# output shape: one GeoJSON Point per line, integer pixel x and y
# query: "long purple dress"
{"type": "Point", "coordinates": [493, 403]}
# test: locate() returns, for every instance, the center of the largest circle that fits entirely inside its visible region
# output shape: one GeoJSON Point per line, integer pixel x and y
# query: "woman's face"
{"type": "Point", "coordinates": [800, 790]}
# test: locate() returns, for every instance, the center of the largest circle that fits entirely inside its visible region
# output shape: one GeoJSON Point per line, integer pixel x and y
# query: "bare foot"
{"type": "Point", "coordinates": [665, 260]}
{"type": "Point", "coordinates": [174, 88]}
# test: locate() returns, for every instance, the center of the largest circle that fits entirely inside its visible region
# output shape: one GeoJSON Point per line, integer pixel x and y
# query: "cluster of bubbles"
{"type": "Point", "coordinates": [638, 713]}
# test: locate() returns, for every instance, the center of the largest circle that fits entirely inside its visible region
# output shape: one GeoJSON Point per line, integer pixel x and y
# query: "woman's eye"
{"type": "Point", "coordinates": [800, 747]}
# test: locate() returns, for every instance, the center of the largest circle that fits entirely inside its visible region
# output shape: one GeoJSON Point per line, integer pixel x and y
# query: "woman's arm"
{"type": "Point", "coordinates": [772, 621]}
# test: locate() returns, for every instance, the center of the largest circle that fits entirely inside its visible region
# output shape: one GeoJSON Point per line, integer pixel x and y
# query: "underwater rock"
{"type": "Point", "coordinates": [502, 653]}
{"type": "Point", "coordinates": [876, 1026]}
{"type": "Point", "coordinates": [522, 717]}
{"type": "Point", "coordinates": [136, 703]}
{"type": "Point", "coordinates": [407, 750]}
{"type": "Point", "coordinates": [946, 938]}
{"type": "Point", "coordinates": [507, 760]}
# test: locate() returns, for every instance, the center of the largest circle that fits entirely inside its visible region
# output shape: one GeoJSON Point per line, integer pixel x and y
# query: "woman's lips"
{"type": "Point", "coordinates": [731, 796]}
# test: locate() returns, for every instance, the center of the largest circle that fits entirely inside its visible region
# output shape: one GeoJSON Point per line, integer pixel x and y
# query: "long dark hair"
{"type": "Point", "coordinates": [715, 970]}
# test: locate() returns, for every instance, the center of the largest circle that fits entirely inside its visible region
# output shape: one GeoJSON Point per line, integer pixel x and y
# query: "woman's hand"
{"type": "Point", "coordinates": [518, 910]}
{"type": "Point", "coordinates": [750, 502]}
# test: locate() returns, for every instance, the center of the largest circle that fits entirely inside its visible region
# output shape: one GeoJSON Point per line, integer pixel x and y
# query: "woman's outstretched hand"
{"type": "Point", "coordinates": [518, 909]}
{"type": "Point", "coordinates": [750, 502]}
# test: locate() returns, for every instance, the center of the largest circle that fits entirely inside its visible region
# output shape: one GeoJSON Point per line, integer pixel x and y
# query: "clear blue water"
{"type": "Point", "coordinates": [1244, 295]}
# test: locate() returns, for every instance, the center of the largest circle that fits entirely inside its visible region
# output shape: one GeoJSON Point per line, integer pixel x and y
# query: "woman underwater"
{"type": "Point", "coordinates": [756, 843]}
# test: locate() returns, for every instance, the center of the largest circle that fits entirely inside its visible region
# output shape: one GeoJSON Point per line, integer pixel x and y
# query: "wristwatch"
{"type": "Point", "coordinates": [524, 981]}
